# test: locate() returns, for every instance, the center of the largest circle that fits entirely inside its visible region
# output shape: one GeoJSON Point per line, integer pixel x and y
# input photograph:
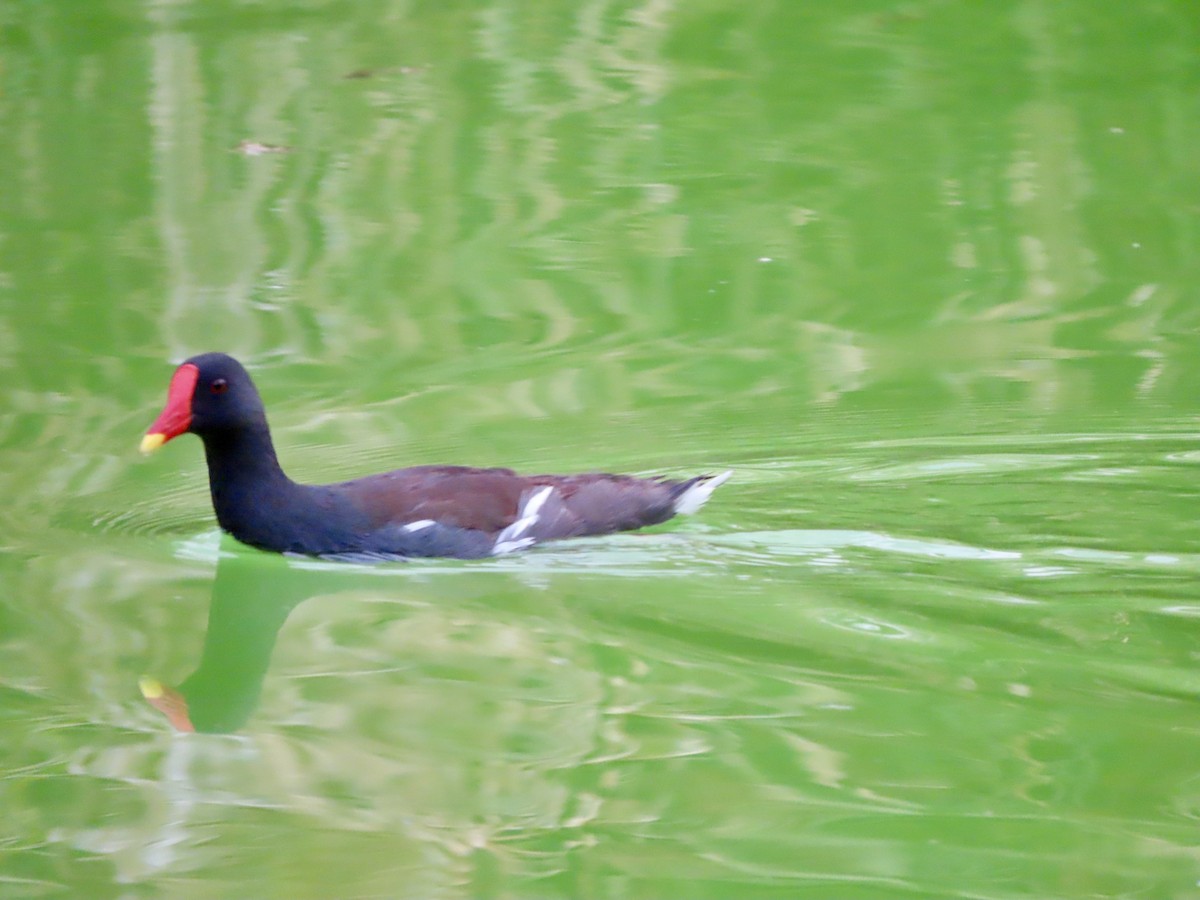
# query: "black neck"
{"type": "Point", "coordinates": [245, 479]}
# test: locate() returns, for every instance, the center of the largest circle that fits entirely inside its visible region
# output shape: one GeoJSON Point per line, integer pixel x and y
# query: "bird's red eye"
{"type": "Point", "coordinates": [219, 386]}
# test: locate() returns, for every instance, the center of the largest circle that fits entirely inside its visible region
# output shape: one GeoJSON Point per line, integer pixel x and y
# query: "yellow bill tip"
{"type": "Point", "coordinates": [151, 688]}
{"type": "Point", "coordinates": [152, 442]}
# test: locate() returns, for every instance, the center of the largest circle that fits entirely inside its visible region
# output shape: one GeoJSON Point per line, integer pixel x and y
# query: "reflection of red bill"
{"type": "Point", "coordinates": [167, 701]}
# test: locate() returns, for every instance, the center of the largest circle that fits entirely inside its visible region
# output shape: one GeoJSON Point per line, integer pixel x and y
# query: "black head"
{"type": "Point", "coordinates": [209, 394]}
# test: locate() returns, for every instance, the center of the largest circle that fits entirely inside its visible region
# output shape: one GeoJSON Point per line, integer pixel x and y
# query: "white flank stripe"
{"type": "Point", "coordinates": [536, 502]}
{"type": "Point", "coordinates": [510, 538]}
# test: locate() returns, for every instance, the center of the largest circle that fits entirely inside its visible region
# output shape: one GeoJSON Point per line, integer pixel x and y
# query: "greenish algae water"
{"type": "Point", "coordinates": [924, 275]}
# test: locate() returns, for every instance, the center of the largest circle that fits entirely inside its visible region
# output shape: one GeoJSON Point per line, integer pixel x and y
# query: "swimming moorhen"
{"type": "Point", "coordinates": [422, 511]}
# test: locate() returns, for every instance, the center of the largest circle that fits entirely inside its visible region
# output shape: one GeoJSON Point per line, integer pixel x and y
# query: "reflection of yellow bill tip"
{"type": "Point", "coordinates": [151, 688]}
{"type": "Point", "coordinates": [152, 442]}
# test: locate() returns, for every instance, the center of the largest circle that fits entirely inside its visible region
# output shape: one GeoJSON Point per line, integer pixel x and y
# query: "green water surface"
{"type": "Point", "coordinates": [925, 275]}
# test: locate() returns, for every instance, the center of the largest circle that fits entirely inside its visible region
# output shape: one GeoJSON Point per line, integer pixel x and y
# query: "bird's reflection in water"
{"type": "Point", "coordinates": [252, 596]}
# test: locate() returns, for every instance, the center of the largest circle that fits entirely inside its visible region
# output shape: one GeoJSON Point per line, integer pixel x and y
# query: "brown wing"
{"type": "Point", "coordinates": [492, 500]}
{"type": "Point", "coordinates": [483, 499]}
{"type": "Point", "coordinates": [599, 503]}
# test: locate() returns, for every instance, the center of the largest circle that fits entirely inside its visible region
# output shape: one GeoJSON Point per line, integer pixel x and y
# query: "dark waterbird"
{"type": "Point", "coordinates": [421, 511]}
